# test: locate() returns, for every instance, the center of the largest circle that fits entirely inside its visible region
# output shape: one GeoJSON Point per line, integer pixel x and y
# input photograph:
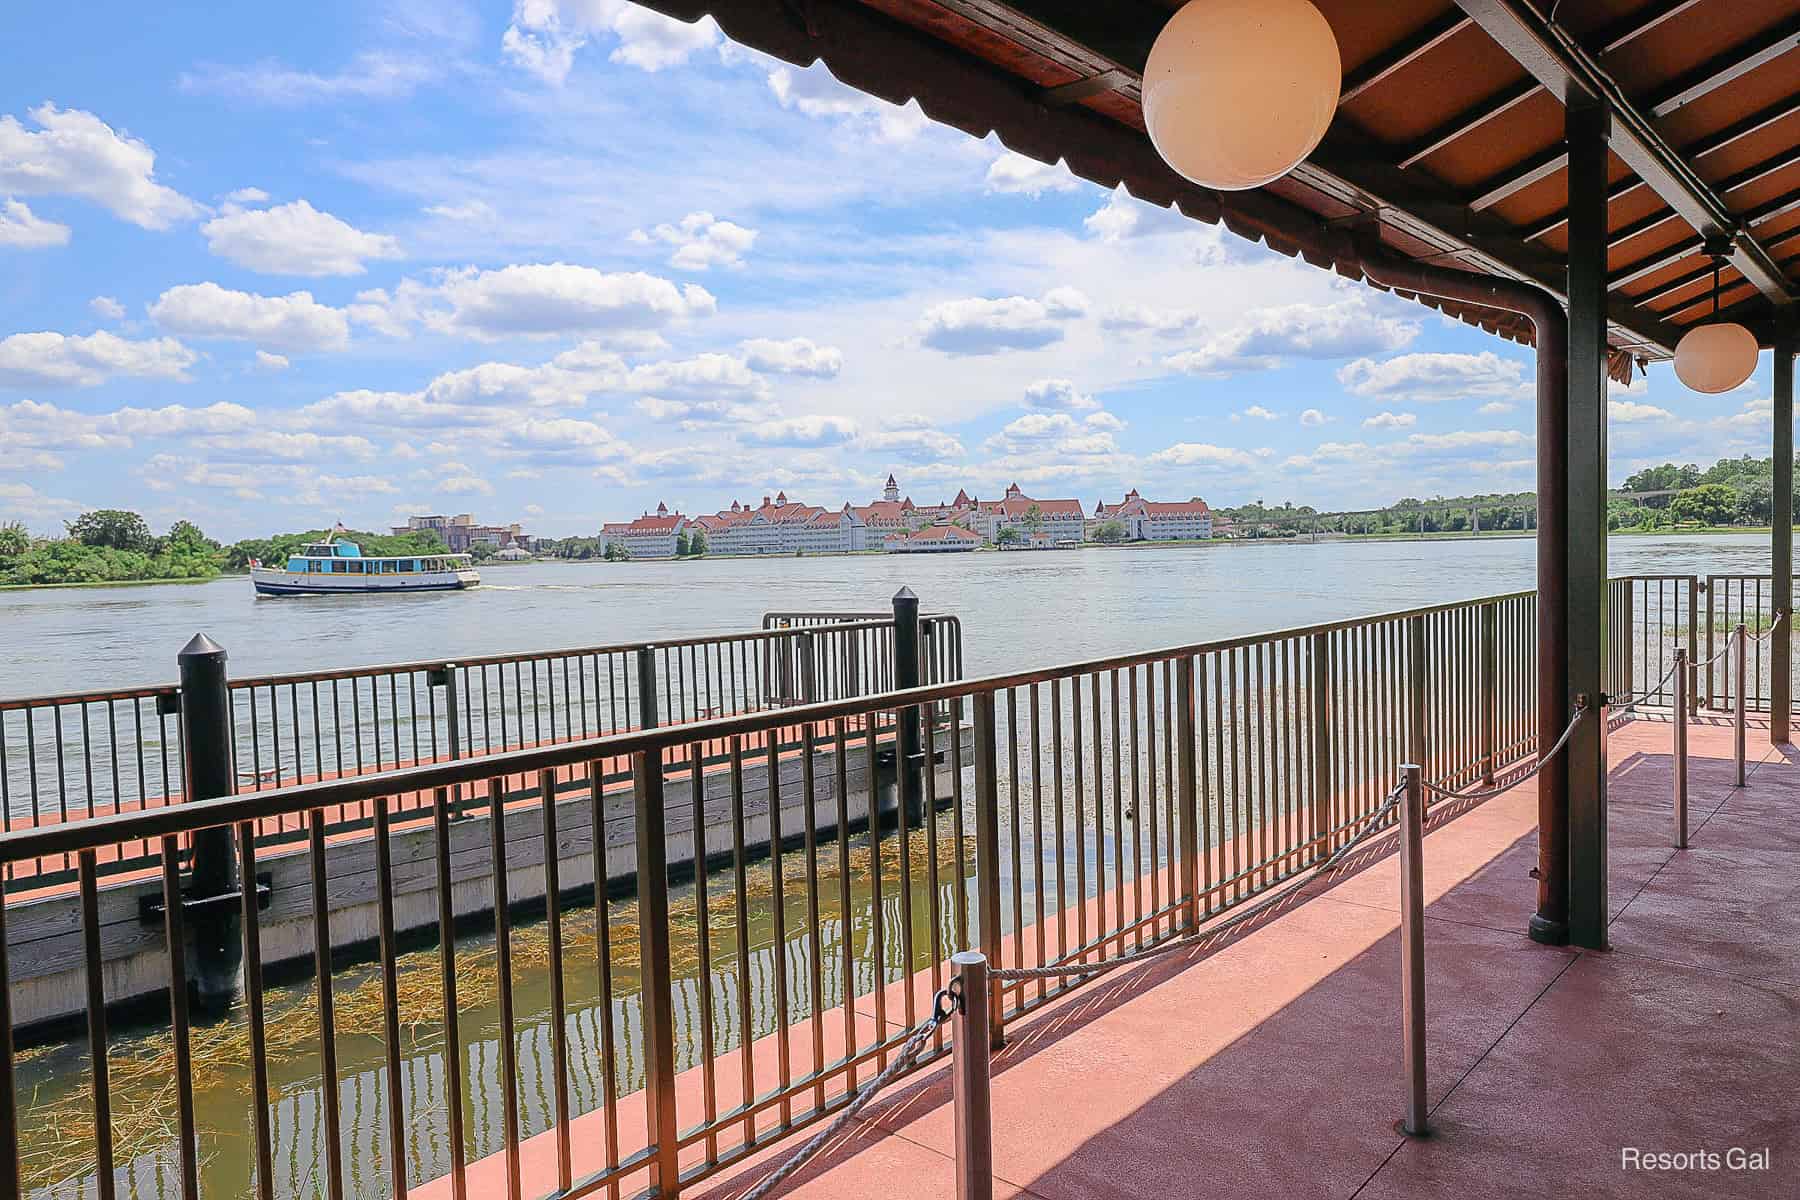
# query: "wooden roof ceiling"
{"type": "Point", "coordinates": [1448, 132]}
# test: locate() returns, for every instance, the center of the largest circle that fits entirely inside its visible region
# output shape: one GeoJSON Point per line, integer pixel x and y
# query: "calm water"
{"type": "Point", "coordinates": [1018, 610]}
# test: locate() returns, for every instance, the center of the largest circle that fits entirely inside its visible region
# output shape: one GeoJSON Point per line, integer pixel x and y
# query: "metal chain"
{"type": "Point", "coordinates": [1513, 780]}
{"type": "Point", "coordinates": [1185, 940]}
{"type": "Point", "coordinates": [945, 1004]}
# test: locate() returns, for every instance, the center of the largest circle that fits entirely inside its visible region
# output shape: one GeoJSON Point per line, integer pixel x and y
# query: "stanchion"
{"type": "Point", "coordinates": [971, 1098]}
{"type": "Point", "coordinates": [1740, 652]}
{"type": "Point", "coordinates": [1412, 949]}
{"type": "Point", "coordinates": [1680, 676]}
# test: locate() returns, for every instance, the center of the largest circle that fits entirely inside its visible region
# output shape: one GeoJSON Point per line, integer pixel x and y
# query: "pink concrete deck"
{"type": "Point", "coordinates": [1268, 1065]}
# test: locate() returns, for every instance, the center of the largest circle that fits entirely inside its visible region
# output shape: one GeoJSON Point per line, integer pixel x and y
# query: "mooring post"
{"type": "Point", "coordinates": [971, 1082]}
{"type": "Point", "coordinates": [211, 898]}
{"type": "Point", "coordinates": [1412, 948]}
{"type": "Point", "coordinates": [910, 766]}
{"type": "Point", "coordinates": [1680, 676]}
{"type": "Point", "coordinates": [646, 681]}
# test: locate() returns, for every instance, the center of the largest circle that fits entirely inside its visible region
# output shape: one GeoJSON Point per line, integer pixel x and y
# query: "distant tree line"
{"type": "Point", "coordinates": [108, 545]}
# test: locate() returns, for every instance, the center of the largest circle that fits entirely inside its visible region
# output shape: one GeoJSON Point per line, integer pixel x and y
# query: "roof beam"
{"type": "Point", "coordinates": [1470, 119]}
{"type": "Point", "coordinates": [1554, 60]}
{"type": "Point", "coordinates": [1407, 51]}
{"type": "Point", "coordinates": [1629, 29]}
{"type": "Point", "coordinates": [1714, 74]}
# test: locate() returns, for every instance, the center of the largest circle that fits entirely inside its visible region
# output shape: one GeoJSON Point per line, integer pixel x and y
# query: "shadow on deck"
{"type": "Point", "coordinates": [1268, 1063]}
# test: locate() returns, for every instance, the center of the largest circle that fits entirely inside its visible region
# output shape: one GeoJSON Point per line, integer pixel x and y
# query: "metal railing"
{"type": "Point", "coordinates": [1112, 805]}
{"type": "Point", "coordinates": [67, 757]}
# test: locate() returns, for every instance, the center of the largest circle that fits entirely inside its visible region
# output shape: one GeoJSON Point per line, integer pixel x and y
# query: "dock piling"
{"type": "Point", "coordinates": [211, 898]}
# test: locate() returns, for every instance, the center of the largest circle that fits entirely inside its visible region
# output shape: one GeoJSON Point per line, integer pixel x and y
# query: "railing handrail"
{"type": "Point", "coordinates": [112, 828]}
{"type": "Point", "coordinates": [299, 677]}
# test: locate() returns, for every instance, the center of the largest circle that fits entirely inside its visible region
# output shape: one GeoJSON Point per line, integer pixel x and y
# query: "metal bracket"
{"type": "Point", "coordinates": [151, 908]}
{"type": "Point", "coordinates": [439, 676]}
{"type": "Point", "coordinates": [168, 703]}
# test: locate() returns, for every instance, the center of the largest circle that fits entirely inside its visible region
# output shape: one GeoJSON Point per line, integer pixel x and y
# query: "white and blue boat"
{"type": "Point", "coordinates": [338, 565]}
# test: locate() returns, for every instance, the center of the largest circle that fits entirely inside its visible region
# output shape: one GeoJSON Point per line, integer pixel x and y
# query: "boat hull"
{"type": "Point", "coordinates": [270, 581]}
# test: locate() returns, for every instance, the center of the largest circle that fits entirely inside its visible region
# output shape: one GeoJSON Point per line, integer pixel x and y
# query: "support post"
{"type": "Point", "coordinates": [1588, 126]}
{"type": "Point", "coordinates": [987, 856]}
{"type": "Point", "coordinates": [1412, 948]}
{"type": "Point", "coordinates": [1682, 682]}
{"type": "Point", "coordinates": [809, 679]}
{"type": "Point", "coordinates": [910, 764]}
{"type": "Point", "coordinates": [1187, 783]}
{"type": "Point", "coordinates": [1781, 540]}
{"type": "Point", "coordinates": [971, 1094]}
{"type": "Point", "coordinates": [1490, 690]}
{"type": "Point", "coordinates": [1319, 700]}
{"type": "Point", "coordinates": [656, 988]}
{"type": "Point", "coordinates": [212, 888]}
{"type": "Point", "coordinates": [1739, 654]}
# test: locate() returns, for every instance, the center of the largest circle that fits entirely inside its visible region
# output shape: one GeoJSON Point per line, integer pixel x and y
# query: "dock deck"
{"type": "Point", "coordinates": [1269, 1064]}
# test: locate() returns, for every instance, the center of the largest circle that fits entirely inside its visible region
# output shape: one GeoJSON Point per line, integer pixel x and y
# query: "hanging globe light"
{"type": "Point", "coordinates": [1239, 92]}
{"type": "Point", "coordinates": [1719, 355]}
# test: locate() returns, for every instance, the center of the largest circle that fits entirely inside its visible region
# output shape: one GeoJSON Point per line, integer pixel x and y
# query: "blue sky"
{"type": "Point", "coordinates": [560, 260]}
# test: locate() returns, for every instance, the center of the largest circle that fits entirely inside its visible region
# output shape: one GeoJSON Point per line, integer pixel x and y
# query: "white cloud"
{"type": "Point", "coordinates": [1018, 174]}
{"type": "Point", "coordinates": [1103, 420]}
{"type": "Point", "coordinates": [465, 485]}
{"type": "Point", "coordinates": [538, 300]}
{"type": "Point", "coordinates": [1390, 420]}
{"type": "Point", "coordinates": [374, 75]}
{"type": "Point", "coordinates": [271, 362]}
{"type": "Point", "coordinates": [1428, 378]}
{"type": "Point", "coordinates": [294, 239]}
{"type": "Point", "coordinates": [1261, 413]}
{"type": "Point", "coordinates": [1629, 412]}
{"type": "Point", "coordinates": [24, 503]}
{"type": "Point", "coordinates": [1141, 318]}
{"type": "Point", "coordinates": [914, 445]}
{"type": "Point", "coordinates": [292, 322]}
{"type": "Point", "coordinates": [801, 431]}
{"type": "Point", "coordinates": [262, 445]}
{"type": "Point", "coordinates": [1202, 454]}
{"type": "Point", "coordinates": [1313, 416]}
{"type": "Point", "coordinates": [546, 34]}
{"type": "Point", "coordinates": [64, 360]}
{"type": "Point", "coordinates": [1058, 395]}
{"type": "Point", "coordinates": [21, 229]}
{"type": "Point", "coordinates": [560, 441]}
{"type": "Point", "coordinates": [75, 153]}
{"type": "Point", "coordinates": [815, 92]}
{"type": "Point", "coordinates": [1267, 337]}
{"type": "Point", "coordinates": [1495, 408]}
{"type": "Point", "coordinates": [795, 356]}
{"type": "Point", "coordinates": [106, 308]}
{"type": "Point", "coordinates": [701, 241]}
{"type": "Point", "coordinates": [978, 326]}
{"type": "Point", "coordinates": [1123, 216]}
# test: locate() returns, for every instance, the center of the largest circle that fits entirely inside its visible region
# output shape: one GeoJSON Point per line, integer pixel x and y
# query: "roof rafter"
{"type": "Point", "coordinates": [1555, 61]}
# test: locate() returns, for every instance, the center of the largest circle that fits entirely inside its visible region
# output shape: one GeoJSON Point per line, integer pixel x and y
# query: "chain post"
{"type": "Point", "coordinates": [206, 757]}
{"type": "Point", "coordinates": [1412, 948]}
{"type": "Point", "coordinates": [646, 681]}
{"type": "Point", "coordinates": [971, 1084]}
{"type": "Point", "coordinates": [809, 680]}
{"type": "Point", "coordinates": [1740, 652]}
{"type": "Point", "coordinates": [1680, 675]}
{"type": "Point", "coordinates": [987, 854]}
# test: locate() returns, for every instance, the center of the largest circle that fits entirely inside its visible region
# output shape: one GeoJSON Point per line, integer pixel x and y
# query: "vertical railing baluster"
{"type": "Point", "coordinates": [390, 999]}
{"type": "Point", "coordinates": [1319, 696]}
{"type": "Point", "coordinates": [1490, 690]}
{"type": "Point", "coordinates": [653, 942]}
{"type": "Point", "coordinates": [1188, 791]}
{"type": "Point", "coordinates": [96, 1022]}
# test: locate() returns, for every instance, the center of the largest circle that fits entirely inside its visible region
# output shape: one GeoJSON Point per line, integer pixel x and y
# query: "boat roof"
{"type": "Point", "coordinates": [336, 547]}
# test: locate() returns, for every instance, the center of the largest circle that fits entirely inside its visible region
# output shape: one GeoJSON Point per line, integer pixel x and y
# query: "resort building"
{"type": "Point", "coordinates": [933, 539]}
{"type": "Point", "coordinates": [1154, 520]}
{"type": "Point", "coordinates": [461, 532]}
{"type": "Point", "coordinates": [783, 526]}
{"type": "Point", "coordinates": [1059, 522]}
{"type": "Point", "coordinates": [652, 535]}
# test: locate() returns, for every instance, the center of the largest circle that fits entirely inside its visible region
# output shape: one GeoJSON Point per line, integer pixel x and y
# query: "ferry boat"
{"type": "Point", "coordinates": [337, 565]}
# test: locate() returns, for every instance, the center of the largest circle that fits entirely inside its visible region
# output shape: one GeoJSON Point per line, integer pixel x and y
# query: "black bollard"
{"type": "Point", "coordinates": [211, 898]}
{"type": "Point", "coordinates": [910, 773]}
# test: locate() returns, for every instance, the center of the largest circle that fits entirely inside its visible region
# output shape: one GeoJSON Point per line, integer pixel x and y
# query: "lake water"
{"type": "Point", "coordinates": [1018, 610]}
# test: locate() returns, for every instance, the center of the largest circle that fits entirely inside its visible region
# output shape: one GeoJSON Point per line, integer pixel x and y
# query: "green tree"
{"type": "Point", "coordinates": [697, 544]}
{"type": "Point", "coordinates": [616, 552]}
{"type": "Point", "coordinates": [1008, 536]}
{"type": "Point", "coordinates": [1033, 520]}
{"type": "Point", "coordinates": [14, 539]}
{"type": "Point", "coordinates": [1708, 504]}
{"type": "Point", "coordinates": [682, 546]}
{"type": "Point", "coordinates": [113, 528]}
{"type": "Point", "coordinates": [1110, 533]}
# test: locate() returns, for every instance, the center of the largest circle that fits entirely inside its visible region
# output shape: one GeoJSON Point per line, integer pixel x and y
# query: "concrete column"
{"type": "Point", "coordinates": [1586, 130]}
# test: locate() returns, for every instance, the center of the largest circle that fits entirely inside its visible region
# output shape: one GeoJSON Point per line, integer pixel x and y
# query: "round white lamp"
{"type": "Point", "coordinates": [1239, 92]}
{"type": "Point", "coordinates": [1715, 357]}
{"type": "Point", "coordinates": [1719, 355]}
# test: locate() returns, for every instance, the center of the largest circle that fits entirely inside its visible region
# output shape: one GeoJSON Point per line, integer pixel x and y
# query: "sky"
{"type": "Point", "coordinates": [560, 261]}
